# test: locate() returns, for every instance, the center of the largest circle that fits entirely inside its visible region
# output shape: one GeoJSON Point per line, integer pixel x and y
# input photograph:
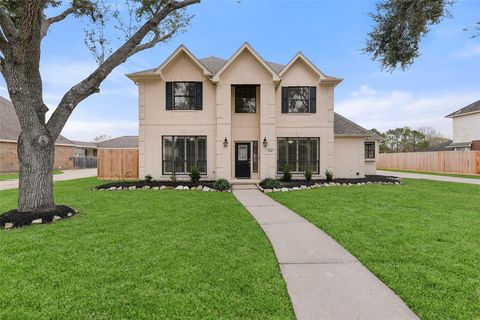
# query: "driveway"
{"type": "Point", "coordinates": [428, 177]}
{"type": "Point", "coordinates": [66, 175]}
{"type": "Point", "coordinates": [323, 279]}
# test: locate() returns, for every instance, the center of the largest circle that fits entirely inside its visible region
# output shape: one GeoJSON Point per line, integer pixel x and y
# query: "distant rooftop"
{"type": "Point", "coordinates": [471, 108]}
{"type": "Point", "coordinates": [120, 143]}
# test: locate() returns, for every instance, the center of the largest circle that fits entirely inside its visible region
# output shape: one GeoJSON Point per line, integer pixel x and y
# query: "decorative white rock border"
{"type": "Point", "coordinates": [180, 187]}
{"type": "Point", "coordinates": [326, 184]}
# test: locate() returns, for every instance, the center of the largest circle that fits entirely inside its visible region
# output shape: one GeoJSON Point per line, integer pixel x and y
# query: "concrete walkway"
{"type": "Point", "coordinates": [428, 177]}
{"type": "Point", "coordinates": [66, 175]}
{"type": "Point", "coordinates": [324, 281]}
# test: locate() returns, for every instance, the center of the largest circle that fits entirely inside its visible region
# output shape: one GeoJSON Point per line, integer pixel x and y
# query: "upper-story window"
{"type": "Point", "coordinates": [299, 99]}
{"type": "Point", "coordinates": [245, 99]}
{"type": "Point", "coordinates": [184, 95]}
{"type": "Point", "coordinates": [369, 150]}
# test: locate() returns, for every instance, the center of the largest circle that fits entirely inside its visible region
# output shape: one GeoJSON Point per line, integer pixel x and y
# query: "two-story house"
{"type": "Point", "coordinates": [245, 118]}
{"type": "Point", "coordinates": [466, 128]}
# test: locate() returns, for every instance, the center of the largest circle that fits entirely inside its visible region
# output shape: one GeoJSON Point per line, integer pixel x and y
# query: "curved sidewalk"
{"type": "Point", "coordinates": [324, 281]}
{"type": "Point", "coordinates": [427, 176]}
{"type": "Point", "coordinates": [66, 175]}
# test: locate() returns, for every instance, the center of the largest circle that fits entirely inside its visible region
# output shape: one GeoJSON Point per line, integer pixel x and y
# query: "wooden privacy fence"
{"type": "Point", "coordinates": [442, 161]}
{"type": "Point", "coordinates": [117, 164]}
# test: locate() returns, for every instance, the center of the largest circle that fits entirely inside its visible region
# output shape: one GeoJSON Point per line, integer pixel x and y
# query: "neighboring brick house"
{"type": "Point", "coordinates": [245, 118]}
{"type": "Point", "coordinates": [466, 128]}
{"type": "Point", "coordinates": [9, 132]}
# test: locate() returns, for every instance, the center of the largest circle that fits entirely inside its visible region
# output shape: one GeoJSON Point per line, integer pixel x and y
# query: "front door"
{"type": "Point", "coordinates": [242, 160]}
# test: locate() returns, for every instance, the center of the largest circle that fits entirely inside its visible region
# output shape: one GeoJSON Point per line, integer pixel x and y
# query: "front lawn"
{"type": "Point", "coordinates": [421, 238]}
{"type": "Point", "coordinates": [14, 175]}
{"type": "Point", "coordinates": [140, 255]}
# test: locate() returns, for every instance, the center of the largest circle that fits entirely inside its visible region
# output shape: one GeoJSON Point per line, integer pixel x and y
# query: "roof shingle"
{"type": "Point", "coordinates": [120, 142]}
{"type": "Point", "coordinates": [343, 126]}
{"type": "Point", "coordinates": [474, 107]}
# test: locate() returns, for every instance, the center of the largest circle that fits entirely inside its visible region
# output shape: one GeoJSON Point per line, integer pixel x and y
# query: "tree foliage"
{"type": "Point", "coordinates": [402, 140]}
{"type": "Point", "coordinates": [399, 25]}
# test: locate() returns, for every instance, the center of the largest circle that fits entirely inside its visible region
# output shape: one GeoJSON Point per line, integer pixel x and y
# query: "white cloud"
{"type": "Point", "coordinates": [87, 130]}
{"type": "Point", "coordinates": [468, 52]}
{"type": "Point", "coordinates": [365, 90]}
{"type": "Point", "coordinates": [387, 110]}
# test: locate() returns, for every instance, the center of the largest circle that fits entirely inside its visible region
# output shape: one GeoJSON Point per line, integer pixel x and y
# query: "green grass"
{"type": "Point", "coordinates": [458, 175]}
{"type": "Point", "coordinates": [140, 255]}
{"type": "Point", "coordinates": [421, 238]}
{"type": "Point", "coordinates": [14, 175]}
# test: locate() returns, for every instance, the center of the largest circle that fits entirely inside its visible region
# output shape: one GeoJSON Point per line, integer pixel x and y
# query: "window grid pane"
{"type": "Point", "coordinates": [181, 153]}
{"type": "Point", "coordinates": [299, 154]}
{"type": "Point", "coordinates": [245, 99]}
{"type": "Point", "coordinates": [298, 99]}
{"type": "Point", "coordinates": [184, 95]}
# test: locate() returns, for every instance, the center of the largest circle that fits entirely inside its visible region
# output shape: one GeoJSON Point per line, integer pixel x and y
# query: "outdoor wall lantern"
{"type": "Point", "coordinates": [265, 142]}
{"type": "Point", "coordinates": [225, 142]}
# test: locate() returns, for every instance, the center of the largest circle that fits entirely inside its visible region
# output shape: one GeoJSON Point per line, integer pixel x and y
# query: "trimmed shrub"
{"type": "Point", "coordinates": [270, 183]}
{"type": "Point", "coordinates": [148, 178]}
{"type": "Point", "coordinates": [287, 174]}
{"type": "Point", "coordinates": [308, 175]}
{"type": "Point", "coordinates": [173, 177]}
{"type": "Point", "coordinates": [329, 175]}
{"type": "Point", "coordinates": [221, 185]}
{"type": "Point", "coordinates": [194, 174]}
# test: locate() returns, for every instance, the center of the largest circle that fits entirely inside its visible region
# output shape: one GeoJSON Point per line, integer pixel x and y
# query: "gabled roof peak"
{"type": "Point", "coordinates": [179, 50]}
{"type": "Point", "coordinates": [246, 46]}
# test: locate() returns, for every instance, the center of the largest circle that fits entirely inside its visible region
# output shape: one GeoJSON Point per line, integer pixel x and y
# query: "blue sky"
{"type": "Point", "coordinates": [331, 33]}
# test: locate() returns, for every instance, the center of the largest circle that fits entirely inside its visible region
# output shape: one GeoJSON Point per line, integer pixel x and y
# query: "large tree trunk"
{"type": "Point", "coordinates": [36, 156]}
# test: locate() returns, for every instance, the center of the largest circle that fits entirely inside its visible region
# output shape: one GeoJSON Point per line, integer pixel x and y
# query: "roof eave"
{"type": "Point", "coordinates": [453, 115]}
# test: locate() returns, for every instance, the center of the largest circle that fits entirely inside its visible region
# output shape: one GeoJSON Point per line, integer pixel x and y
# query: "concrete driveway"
{"type": "Point", "coordinates": [66, 175]}
{"type": "Point", "coordinates": [427, 177]}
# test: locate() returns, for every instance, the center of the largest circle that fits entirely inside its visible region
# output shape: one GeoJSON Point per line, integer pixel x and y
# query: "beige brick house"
{"type": "Point", "coordinates": [245, 118]}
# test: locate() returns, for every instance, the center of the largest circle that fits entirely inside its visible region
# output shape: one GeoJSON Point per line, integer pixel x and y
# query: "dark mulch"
{"type": "Point", "coordinates": [373, 178]}
{"type": "Point", "coordinates": [21, 219]}
{"type": "Point", "coordinates": [143, 183]}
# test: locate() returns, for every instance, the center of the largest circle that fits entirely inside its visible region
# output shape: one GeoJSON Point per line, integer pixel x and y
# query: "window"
{"type": "Point", "coordinates": [181, 153]}
{"type": "Point", "coordinates": [298, 99]}
{"type": "Point", "coordinates": [369, 150]}
{"type": "Point", "coordinates": [299, 154]}
{"type": "Point", "coordinates": [184, 95]}
{"type": "Point", "coordinates": [255, 157]}
{"type": "Point", "coordinates": [245, 99]}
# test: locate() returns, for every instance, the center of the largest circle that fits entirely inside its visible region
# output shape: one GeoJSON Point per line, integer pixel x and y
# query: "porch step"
{"type": "Point", "coordinates": [243, 186]}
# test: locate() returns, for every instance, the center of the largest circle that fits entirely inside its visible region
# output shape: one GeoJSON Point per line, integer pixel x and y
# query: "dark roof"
{"type": "Point", "coordinates": [85, 144]}
{"type": "Point", "coordinates": [343, 126]}
{"type": "Point", "coordinates": [460, 144]}
{"type": "Point", "coordinates": [444, 146]}
{"type": "Point", "coordinates": [474, 107]}
{"type": "Point", "coordinates": [120, 142]}
{"type": "Point", "coordinates": [10, 127]}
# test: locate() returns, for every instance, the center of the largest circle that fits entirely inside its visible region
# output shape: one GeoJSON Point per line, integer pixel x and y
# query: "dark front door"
{"type": "Point", "coordinates": [242, 160]}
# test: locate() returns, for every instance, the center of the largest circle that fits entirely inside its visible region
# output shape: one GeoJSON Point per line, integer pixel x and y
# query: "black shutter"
{"type": "Point", "coordinates": [169, 95]}
{"type": "Point", "coordinates": [284, 99]}
{"type": "Point", "coordinates": [313, 99]}
{"type": "Point", "coordinates": [199, 95]}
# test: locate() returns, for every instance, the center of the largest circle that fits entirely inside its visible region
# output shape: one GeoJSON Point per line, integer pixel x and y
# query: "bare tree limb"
{"type": "Point", "coordinates": [91, 84]}
{"type": "Point", "coordinates": [60, 17]}
{"type": "Point", "coordinates": [154, 41]}
{"type": "Point", "coordinates": [8, 27]}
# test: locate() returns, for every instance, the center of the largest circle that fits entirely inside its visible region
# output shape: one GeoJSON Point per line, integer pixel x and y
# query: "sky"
{"type": "Point", "coordinates": [330, 33]}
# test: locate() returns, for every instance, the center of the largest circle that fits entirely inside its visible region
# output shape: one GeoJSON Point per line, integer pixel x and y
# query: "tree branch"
{"type": "Point", "coordinates": [67, 12]}
{"type": "Point", "coordinates": [91, 84]}
{"type": "Point", "coordinates": [8, 27]}
{"type": "Point", "coordinates": [154, 41]}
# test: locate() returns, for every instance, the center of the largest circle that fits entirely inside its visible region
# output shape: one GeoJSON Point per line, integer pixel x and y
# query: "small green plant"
{"type": "Point", "coordinates": [329, 175]}
{"type": "Point", "coordinates": [194, 174]}
{"type": "Point", "coordinates": [308, 175]}
{"type": "Point", "coordinates": [173, 177]}
{"type": "Point", "coordinates": [221, 185]}
{"type": "Point", "coordinates": [148, 178]}
{"type": "Point", "coordinates": [287, 174]}
{"type": "Point", "coordinates": [270, 183]}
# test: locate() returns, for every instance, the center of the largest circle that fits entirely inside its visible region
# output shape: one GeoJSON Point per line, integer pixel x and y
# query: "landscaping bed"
{"type": "Point", "coordinates": [14, 219]}
{"type": "Point", "coordinates": [162, 185]}
{"type": "Point", "coordinates": [303, 184]}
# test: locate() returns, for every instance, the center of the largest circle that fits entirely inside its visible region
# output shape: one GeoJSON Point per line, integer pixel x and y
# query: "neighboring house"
{"type": "Point", "coordinates": [85, 149]}
{"type": "Point", "coordinates": [9, 132]}
{"type": "Point", "coordinates": [245, 118]}
{"type": "Point", "coordinates": [124, 142]}
{"type": "Point", "coordinates": [466, 128]}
